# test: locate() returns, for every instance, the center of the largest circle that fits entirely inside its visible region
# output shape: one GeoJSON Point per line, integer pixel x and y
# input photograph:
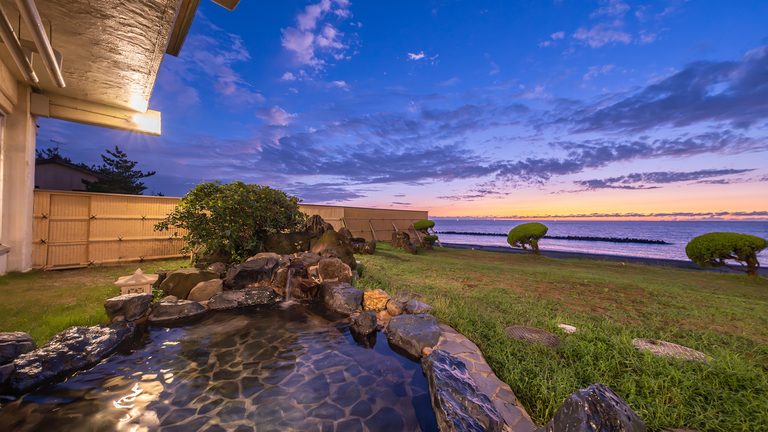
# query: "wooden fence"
{"type": "Point", "coordinates": [78, 229]}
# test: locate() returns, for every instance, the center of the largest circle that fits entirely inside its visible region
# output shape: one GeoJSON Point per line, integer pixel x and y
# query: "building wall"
{"type": "Point", "coordinates": [53, 176]}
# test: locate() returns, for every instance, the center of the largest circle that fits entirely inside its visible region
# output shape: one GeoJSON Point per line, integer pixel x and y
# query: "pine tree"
{"type": "Point", "coordinates": [120, 173]}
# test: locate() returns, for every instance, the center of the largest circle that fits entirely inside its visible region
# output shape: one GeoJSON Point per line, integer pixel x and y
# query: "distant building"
{"type": "Point", "coordinates": [57, 173]}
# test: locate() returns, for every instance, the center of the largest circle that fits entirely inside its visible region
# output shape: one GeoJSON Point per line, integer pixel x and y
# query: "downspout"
{"type": "Point", "coordinates": [14, 47]}
{"type": "Point", "coordinates": [28, 11]}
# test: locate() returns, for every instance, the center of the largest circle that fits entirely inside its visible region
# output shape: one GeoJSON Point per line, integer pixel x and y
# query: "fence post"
{"type": "Point", "coordinates": [375, 237]}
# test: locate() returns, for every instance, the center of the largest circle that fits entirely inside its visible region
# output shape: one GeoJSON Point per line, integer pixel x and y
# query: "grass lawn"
{"type": "Point", "coordinates": [43, 303]}
{"type": "Point", "coordinates": [725, 316]}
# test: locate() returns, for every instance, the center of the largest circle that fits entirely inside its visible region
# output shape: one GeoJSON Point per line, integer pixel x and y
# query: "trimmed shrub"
{"type": "Point", "coordinates": [234, 218]}
{"type": "Point", "coordinates": [424, 224]}
{"type": "Point", "coordinates": [527, 234]}
{"type": "Point", "coordinates": [430, 238]}
{"type": "Point", "coordinates": [713, 249]}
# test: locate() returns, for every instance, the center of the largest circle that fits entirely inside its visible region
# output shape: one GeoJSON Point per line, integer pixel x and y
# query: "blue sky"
{"type": "Point", "coordinates": [466, 108]}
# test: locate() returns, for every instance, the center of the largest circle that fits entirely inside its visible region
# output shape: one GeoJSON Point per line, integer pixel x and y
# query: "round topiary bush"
{"type": "Point", "coordinates": [424, 224]}
{"type": "Point", "coordinates": [713, 249]}
{"type": "Point", "coordinates": [234, 218]}
{"type": "Point", "coordinates": [527, 234]}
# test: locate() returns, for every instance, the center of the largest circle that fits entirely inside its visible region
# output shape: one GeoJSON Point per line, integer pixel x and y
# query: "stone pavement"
{"type": "Point", "coordinates": [514, 415]}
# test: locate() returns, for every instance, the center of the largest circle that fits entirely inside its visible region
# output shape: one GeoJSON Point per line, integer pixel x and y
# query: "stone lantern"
{"type": "Point", "coordinates": [138, 282]}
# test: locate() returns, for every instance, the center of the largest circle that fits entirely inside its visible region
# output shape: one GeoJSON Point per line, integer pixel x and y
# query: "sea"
{"type": "Point", "coordinates": [676, 233]}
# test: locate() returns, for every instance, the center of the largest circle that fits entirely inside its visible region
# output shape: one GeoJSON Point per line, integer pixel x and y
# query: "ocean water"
{"type": "Point", "coordinates": [677, 233]}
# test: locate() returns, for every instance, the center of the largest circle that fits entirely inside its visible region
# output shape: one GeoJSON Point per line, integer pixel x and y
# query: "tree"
{"type": "Point", "coordinates": [235, 218]}
{"type": "Point", "coordinates": [713, 249]}
{"type": "Point", "coordinates": [122, 178]}
{"type": "Point", "coordinates": [527, 234]}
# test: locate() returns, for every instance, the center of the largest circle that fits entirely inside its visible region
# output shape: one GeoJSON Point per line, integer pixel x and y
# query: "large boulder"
{"type": "Point", "coordinates": [68, 351]}
{"type": "Point", "coordinates": [412, 333]}
{"type": "Point", "coordinates": [130, 306]}
{"type": "Point", "coordinates": [217, 267]}
{"type": "Point", "coordinates": [364, 248]}
{"type": "Point", "coordinates": [257, 271]}
{"type": "Point", "coordinates": [375, 300]}
{"type": "Point", "coordinates": [308, 259]}
{"type": "Point", "coordinates": [341, 297]}
{"type": "Point", "coordinates": [287, 243]}
{"type": "Point", "coordinates": [400, 239]}
{"type": "Point", "coordinates": [180, 282]}
{"type": "Point", "coordinates": [314, 225]}
{"type": "Point", "coordinates": [205, 290]}
{"type": "Point", "coordinates": [14, 344]}
{"type": "Point", "coordinates": [345, 232]}
{"type": "Point", "coordinates": [243, 298]}
{"type": "Point", "coordinates": [172, 310]}
{"type": "Point", "coordinates": [456, 400]}
{"type": "Point", "coordinates": [596, 408]}
{"type": "Point", "coordinates": [364, 324]}
{"type": "Point", "coordinates": [340, 244]}
{"type": "Point", "coordinates": [333, 269]}
{"type": "Point", "coordinates": [411, 249]}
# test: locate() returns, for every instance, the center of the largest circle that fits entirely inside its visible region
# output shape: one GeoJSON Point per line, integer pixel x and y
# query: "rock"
{"type": "Point", "coordinates": [68, 351]}
{"type": "Point", "coordinates": [165, 311]}
{"type": "Point", "coordinates": [410, 249]}
{"type": "Point", "coordinates": [341, 297]}
{"type": "Point", "coordinates": [368, 248]}
{"type": "Point", "coordinates": [329, 253]}
{"type": "Point", "coordinates": [345, 232]}
{"type": "Point", "coordinates": [364, 324]}
{"type": "Point", "coordinates": [14, 344]}
{"type": "Point", "coordinates": [596, 408]}
{"type": "Point", "coordinates": [426, 245]}
{"type": "Point", "coordinates": [533, 334]}
{"type": "Point", "coordinates": [217, 267]}
{"type": "Point", "coordinates": [383, 318]}
{"type": "Point", "coordinates": [201, 255]}
{"type": "Point", "coordinates": [355, 275]}
{"type": "Point", "coordinates": [243, 298]}
{"type": "Point", "coordinates": [288, 243]}
{"type": "Point", "coordinates": [332, 269]}
{"type": "Point", "coordinates": [130, 306]}
{"type": "Point", "coordinates": [416, 307]}
{"type": "Point", "coordinates": [395, 307]}
{"type": "Point", "coordinates": [375, 300]}
{"type": "Point", "coordinates": [161, 275]}
{"type": "Point", "coordinates": [340, 244]}
{"type": "Point", "coordinates": [314, 225]}
{"type": "Point", "coordinates": [5, 372]}
{"type": "Point", "coordinates": [169, 298]}
{"type": "Point", "coordinates": [411, 333]}
{"type": "Point", "coordinates": [328, 227]}
{"type": "Point", "coordinates": [314, 274]}
{"type": "Point", "coordinates": [255, 271]}
{"type": "Point", "coordinates": [400, 239]}
{"type": "Point", "coordinates": [205, 290]}
{"type": "Point", "coordinates": [180, 282]}
{"type": "Point", "coordinates": [456, 400]}
{"type": "Point", "coordinates": [274, 256]}
{"type": "Point", "coordinates": [309, 259]}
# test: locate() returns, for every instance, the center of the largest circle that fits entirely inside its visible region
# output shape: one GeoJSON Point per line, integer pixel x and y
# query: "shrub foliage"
{"type": "Point", "coordinates": [527, 234]}
{"type": "Point", "coordinates": [713, 249]}
{"type": "Point", "coordinates": [424, 224]}
{"type": "Point", "coordinates": [235, 218]}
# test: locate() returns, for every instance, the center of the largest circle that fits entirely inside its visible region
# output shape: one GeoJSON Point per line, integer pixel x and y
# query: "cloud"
{"type": "Point", "coordinates": [310, 40]}
{"type": "Point", "coordinates": [288, 77]}
{"type": "Point", "coordinates": [614, 8]}
{"type": "Point", "coordinates": [275, 116]}
{"type": "Point", "coordinates": [322, 192]}
{"type": "Point", "coordinates": [728, 91]}
{"type": "Point", "coordinates": [594, 71]}
{"type": "Point", "coordinates": [475, 195]}
{"type": "Point", "coordinates": [401, 203]}
{"type": "Point", "coordinates": [210, 56]}
{"type": "Point", "coordinates": [545, 44]}
{"type": "Point", "coordinates": [418, 56]}
{"type": "Point", "coordinates": [537, 93]}
{"type": "Point", "coordinates": [639, 180]}
{"type": "Point", "coordinates": [340, 84]}
{"type": "Point", "coordinates": [647, 37]}
{"type": "Point", "coordinates": [600, 35]}
{"type": "Point", "coordinates": [495, 69]}
{"type": "Point", "coordinates": [558, 35]}
{"type": "Point", "coordinates": [451, 82]}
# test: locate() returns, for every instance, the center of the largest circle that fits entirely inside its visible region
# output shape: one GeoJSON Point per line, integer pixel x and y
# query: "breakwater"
{"type": "Point", "coordinates": [577, 238]}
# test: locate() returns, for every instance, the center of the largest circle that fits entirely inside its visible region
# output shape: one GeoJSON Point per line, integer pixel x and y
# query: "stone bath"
{"type": "Point", "coordinates": [274, 369]}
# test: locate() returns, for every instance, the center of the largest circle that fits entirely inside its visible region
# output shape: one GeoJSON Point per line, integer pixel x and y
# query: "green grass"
{"type": "Point", "coordinates": [43, 303]}
{"type": "Point", "coordinates": [726, 316]}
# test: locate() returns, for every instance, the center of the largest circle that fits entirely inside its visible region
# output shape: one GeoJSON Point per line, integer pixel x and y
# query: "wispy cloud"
{"type": "Point", "coordinates": [602, 34]}
{"type": "Point", "coordinates": [642, 180]}
{"type": "Point", "coordinates": [309, 41]}
{"type": "Point", "coordinates": [419, 56]}
{"type": "Point", "coordinates": [274, 116]}
{"type": "Point", "coordinates": [558, 35]}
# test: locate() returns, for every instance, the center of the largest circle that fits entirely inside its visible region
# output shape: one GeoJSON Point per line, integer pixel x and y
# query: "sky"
{"type": "Point", "coordinates": [549, 108]}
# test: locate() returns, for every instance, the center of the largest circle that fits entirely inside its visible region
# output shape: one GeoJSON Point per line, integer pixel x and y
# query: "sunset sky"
{"type": "Point", "coordinates": [466, 108]}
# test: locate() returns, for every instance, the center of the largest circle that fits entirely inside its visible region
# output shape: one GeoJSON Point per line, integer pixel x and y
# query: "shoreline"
{"type": "Point", "coordinates": [687, 265]}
